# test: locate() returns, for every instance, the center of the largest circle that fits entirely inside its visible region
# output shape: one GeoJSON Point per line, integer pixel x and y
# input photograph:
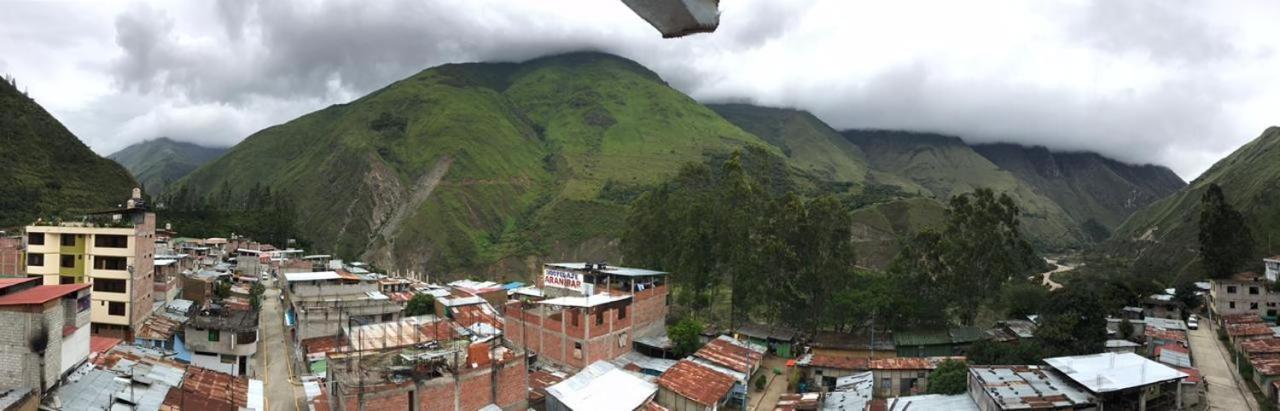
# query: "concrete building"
{"type": "Point", "coordinates": [1243, 293]}
{"type": "Point", "coordinates": [1123, 381]}
{"type": "Point", "coordinates": [45, 332]}
{"type": "Point", "coordinates": [114, 250]}
{"type": "Point", "coordinates": [324, 302]}
{"type": "Point", "coordinates": [1272, 268]}
{"type": "Point", "coordinates": [223, 341]}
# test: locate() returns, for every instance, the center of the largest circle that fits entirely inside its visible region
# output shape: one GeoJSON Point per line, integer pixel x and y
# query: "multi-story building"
{"type": "Point", "coordinates": [223, 340]}
{"type": "Point", "coordinates": [1273, 267]}
{"type": "Point", "coordinates": [45, 334]}
{"type": "Point", "coordinates": [594, 313]}
{"type": "Point", "coordinates": [114, 250]}
{"type": "Point", "coordinates": [1244, 293]}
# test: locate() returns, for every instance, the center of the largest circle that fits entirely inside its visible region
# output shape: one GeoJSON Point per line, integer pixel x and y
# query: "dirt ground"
{"type": "Point", "coordinates": [767, 399]}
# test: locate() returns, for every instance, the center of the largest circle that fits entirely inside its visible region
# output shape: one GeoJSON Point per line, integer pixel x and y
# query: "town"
{"type": "Point", "coordinates": [109, 311]}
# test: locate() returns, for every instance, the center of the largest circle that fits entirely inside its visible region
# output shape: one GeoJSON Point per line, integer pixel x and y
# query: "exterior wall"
{"type": "Point", "coordinates": [896, 378]}
{"type": "Point", "coordinates": [1273, 268]}
{"type": "Point", "coordinates": [75, 350]}
{"type": "Point", "coordinates": [321, 319]}
{"type": "Point", "coordinates": [12, 259]}
{"type": "Point", "coordinates": [676, 402]}
{"type": "Point", "coordinates": [198, 340]}
{"type": "Point", "coordinates": [471, 390]}
{"type": "Point", "coordinates": [1228, 297]}
{"type": "Point", "coordinates": [19, 366]}
{"type": "Point", "coordinates": [554, 337]}
{"type": "Point", "coordinates": [214, 362]}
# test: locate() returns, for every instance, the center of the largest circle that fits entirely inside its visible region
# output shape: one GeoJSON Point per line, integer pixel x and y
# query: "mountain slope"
{"type": "Point", "coordinates": [468, 165]}
{"type": "Point", "coordinates": [943, 166]}
{"type": "Point", "coordinates": [158, 162]}
{"type": "Point", "coordinates": [808, 143]}
{"type": "Point", "coordinates": [1164, 234]}
{"type": "Point", "coordinates": [1087, 186]}
{"type": "Point", "coordinates": [47, 170]}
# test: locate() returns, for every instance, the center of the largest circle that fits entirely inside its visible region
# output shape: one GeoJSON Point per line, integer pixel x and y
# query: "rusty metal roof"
{"type": "Point", "coordinates": [1249, 329]}
{"type": "Point", "coordinates": [205, 389]}
{"type": "Point", "coordinates": [1267, 366]}
{"type": "Point", "coordinates": [730, 353]}
{"type": "Point", "coordinates": [1016, 387]}
{"type": "Point", "coordinates": [1246, 318]}
{"type": "Point", "coordinates": [908, 363]}
{"type": "Point", "coordinates": [833, 362]}
{"type": "Point", "coordinates": [696, 382]}
{"type": "Point", "coordinates": [1269, 345]}
{"type": "Point", "coordinates": [1169, 335]}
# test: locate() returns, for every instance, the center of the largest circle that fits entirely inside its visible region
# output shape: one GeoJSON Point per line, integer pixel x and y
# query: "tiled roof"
{"type": "Point", "coordinates": [729, 353]}
{"type": "Point", "coordinates": [41, 294]}
{"type": "Point", "coordinates": [696, 382]}
{"type": "Point", "coordinates": [1249, 329]}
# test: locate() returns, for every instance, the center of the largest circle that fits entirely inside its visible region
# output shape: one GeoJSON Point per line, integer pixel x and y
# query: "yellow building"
{"type": "Point", "coordinates": [112, 250]}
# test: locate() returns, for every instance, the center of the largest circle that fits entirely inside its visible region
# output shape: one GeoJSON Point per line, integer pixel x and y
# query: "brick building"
{"type": "Point", "coordinates": [11, 259]}
{"type": "Point", "coordinates": [589, 312]}
{"type": "Point", "coordinates": [446, 375]}
{"type": "Point", "coordinates": [45, 333]}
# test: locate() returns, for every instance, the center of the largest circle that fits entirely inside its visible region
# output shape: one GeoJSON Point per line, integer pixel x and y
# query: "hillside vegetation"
{"type": "Point", "coordinates": [46, 171]}
{"type": "Point", "coordinates": [1163, 236]}
{"type": "Point", "coordinates": [158, 162]}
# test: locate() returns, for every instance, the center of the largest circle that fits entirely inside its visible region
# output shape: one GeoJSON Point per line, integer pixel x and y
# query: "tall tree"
{"type": "Point", "coordinates": [1226, 242]}
{"type": "Point", "coordinates": [1072, 323]}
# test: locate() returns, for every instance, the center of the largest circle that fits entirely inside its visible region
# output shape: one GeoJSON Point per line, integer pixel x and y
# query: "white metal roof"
{"type": "Point", "coordinates": [1165, 323]}
{"type": "Point", "coordinates": [454, 302]}
{"type": "Point", "coordinates": [603, 386]}
{"type": "Point", "coordinates": [1107, 372]}
{"type": "Point", "coordinates": [164, 262]}
{"type": "Point", "coordinates": [959, 402]}
{"type": "Point", "coordinates": [609, 269]}
{"type": "Point", "coordinates": [590, 301]}
{"type": "Point", "coordinates": [1121, 344]}
{"type": "Point", "coordinates": [316, 276]}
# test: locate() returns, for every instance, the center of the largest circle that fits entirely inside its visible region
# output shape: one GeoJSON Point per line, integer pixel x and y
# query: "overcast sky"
{"type": "Point", "coordinates": [1176, 83]}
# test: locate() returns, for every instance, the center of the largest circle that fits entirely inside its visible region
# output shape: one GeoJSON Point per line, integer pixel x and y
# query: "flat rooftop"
{"type": "Point", "coordinates": [1024, 387]}
{"type": "Point", "coordinates": [608, 269]}
{"type": "Point", "coordinates": [1107, 372]}
{"type": "Point", "coordinates": [589, 301]}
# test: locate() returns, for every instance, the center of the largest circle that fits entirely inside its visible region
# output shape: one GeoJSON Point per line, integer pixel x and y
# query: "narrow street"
{"type": "Point", "coordinates": [767, 399]}
{"type": "Point", "coordinates": [281, 393]}
{"type": "Point", "coordinates": [1225, 390]}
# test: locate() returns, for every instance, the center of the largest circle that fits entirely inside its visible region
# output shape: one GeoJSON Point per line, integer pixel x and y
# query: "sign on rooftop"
{"type": "Point", "coordinates": [552, 277]}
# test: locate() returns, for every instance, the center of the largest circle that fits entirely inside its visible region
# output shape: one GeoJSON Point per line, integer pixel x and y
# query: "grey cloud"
{"type": "Point", "coordinates": [1167, 30]}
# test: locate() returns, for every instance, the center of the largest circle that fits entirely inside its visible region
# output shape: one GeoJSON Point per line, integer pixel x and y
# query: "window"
{"type": "Point", "coordinates": [600, 317]}
{"type": "Point", "coordinates": [68, 240]}
{"type": "Point", "coordinates": [35, 238]}
{"type": "Point", "coordinates": [1231, 304]}
{"type": "Point", "coordinates": [110, 263]}
{"type": "Point", "coordinates": [246, 337]}
{"type": "Point", "coordinates": [1271, 313]}
{"type": "Point", "coordinates": [1231, 289]}
{"type": "Point", "coordinates": [109, 285]}
{"type": "Point", "coordinates": [110, 241]}
{"type": "Point", "coordinates": [35, 260]}
{"type": "Point", "coordinates": [1253, 306]}
{"type": "Point", "coordinates": [64, 279]}
{"type": "Point", "coordinates": [115, 308]}
{"type": "Point", "coordinates": [574, 317]}
{"type": "Point", "coordinates": [1253, 290]}
{"type": "Point", "coordinates": [227, 359]}
{"type": "Point", "coordinates": [67, 261]}
{"type": "Point", "coordinates": [215, 336]}
{"type": "Point", "coordinates": [622, 312]}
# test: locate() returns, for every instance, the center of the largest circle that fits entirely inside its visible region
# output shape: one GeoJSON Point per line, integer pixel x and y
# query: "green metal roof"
{"type": "Point", "coordinates": [967, 334]}
{"type": "Point", "coordinates": [921, 337]}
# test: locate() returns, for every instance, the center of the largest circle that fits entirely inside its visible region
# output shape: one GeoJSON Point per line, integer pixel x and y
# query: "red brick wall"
{"type": "Point", "coordinates": [649, 309]}
{"type": "Point", "coordinates": [473, 392]}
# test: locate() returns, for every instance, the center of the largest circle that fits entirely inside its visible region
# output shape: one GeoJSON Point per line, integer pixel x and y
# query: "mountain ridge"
{"type": "Point", "coordinates": [157, 162]}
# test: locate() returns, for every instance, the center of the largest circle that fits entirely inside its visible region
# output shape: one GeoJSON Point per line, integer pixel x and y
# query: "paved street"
{"type": "Point", "coordinates": [1225, 390]}
{"type": "Point", "coordinates": [281, 393]}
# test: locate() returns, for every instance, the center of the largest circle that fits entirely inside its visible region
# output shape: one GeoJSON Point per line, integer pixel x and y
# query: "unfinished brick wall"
{"type": "Point", "coordinates": [470, 391]}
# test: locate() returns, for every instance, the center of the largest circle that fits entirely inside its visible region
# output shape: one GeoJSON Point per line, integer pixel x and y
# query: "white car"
{"type": "Point", "coordinates": [1193, 323]}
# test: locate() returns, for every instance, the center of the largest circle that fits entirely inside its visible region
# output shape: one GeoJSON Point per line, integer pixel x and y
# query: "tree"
{"type": "Point", "coordinates": [420, 304]}
{"type": "Point", "coordinates": [1226, 242]}
{"type": "Point", "coordinates": [1072, 323]}
{"type": "Point", "coordinates": [988, 352]}
{"type": "Point", "coordinates": [979, 250]}
{"type": "Point", "coordinates": [950, 378]}
{"type": "Point", "coordinates": [1126, 329]}
{"type": "Point", "coordinates": [686, 335]}
{"type": "Point", "coordinates": [255, 295]}
{"type": "Point", "coordinates": [1022, 298]}
{"type": "Point", "coordinates": [221, 289]}
{"type": "Point", "coordinates": [761, 382]}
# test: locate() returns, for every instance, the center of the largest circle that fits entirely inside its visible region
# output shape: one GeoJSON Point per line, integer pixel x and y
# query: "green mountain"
{"type": "Point", "coordinates": [158, 162]}
{"type": "Point", "coordinates": [940, 167]}
{"type": "Point", "coordinates": [46, 170]}
{"type": "Point", "coordinates": [468, 165]}
{"type": "Point", "coordinates": [1086, 185]}
{"type": "Point", "coordinates": [808, 143]}
{"type": "Point", "coordinates": [1163, 235]}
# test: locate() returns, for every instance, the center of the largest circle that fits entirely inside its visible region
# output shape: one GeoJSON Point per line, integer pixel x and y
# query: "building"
{"type": "Point", "coordinates": [223, 340]}
{"type": "Point", "coordinates": [1162, 306]}
{"type": "Point", "coordinates": [1122, 346]}
{"type": "Point", "coordinates": [11, 259]}
{"type": "Point", "coordinates": [1265, 372]}
{"type": "Point", "coordinates": [1238, 333]}
{"type": "Point", "coordinates": [779, 339]}
{"type": "Point", "coordinates": [600, 386]}
{"type": "Point", "coordinates": [1024, 387]}
{"type": "Point", "coordinates": [457, 374]}
{"type": "Point", "coordinates": [897, 377]}
{"type": "Point", "coordinates": [1261, 348]}
{"type": "Point", "coordinates": [46, 332]}
{"type": "Point", "coordinates": [1123, 381]}
{"type": "Point", "coordinates": [324, 302]}
{"type": "Point", "coordinates": [1272, 268]}
{"type": "Point", "coordinates": [690, 386]}
{"type": "Point", "coordinates": [133, 378]}
{"type": "Point", "coordinates": [114, 250]}
{"type": "Point", "coordinates": [647, 288]}
{"type": "Point", "coordinates": [1243, 293]}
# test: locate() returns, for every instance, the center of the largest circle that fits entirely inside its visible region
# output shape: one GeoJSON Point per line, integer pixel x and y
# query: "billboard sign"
{"type": "Point", "coordinates": [562, 279]}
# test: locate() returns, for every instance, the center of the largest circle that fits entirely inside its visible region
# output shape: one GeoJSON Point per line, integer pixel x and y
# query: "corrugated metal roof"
{"type": "Point", "coordinates": [697, 383]}
{"type": "Point", "coordinates": [316, 276]}
{"type": "Point", "coordinates": [921, 337]}
{"type": "Point", "coordinates": [603, 386]}
{"type": "Point", "coordinates": [1020, 387]}
{"type": "Point", "coordinates": [731, 354]}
